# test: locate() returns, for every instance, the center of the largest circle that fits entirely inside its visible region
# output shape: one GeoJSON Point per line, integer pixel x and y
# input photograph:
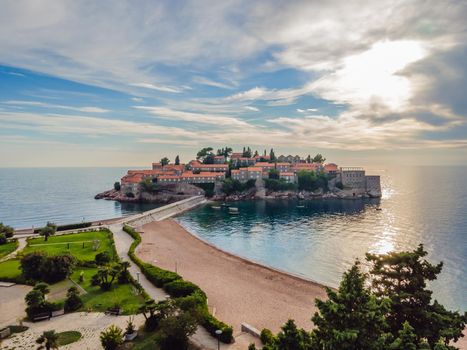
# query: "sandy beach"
{"type": "Point", "coordinates": [239, 291]}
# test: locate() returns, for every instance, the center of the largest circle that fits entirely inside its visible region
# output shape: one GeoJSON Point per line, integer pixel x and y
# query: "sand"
{"type": "Point", "coordinates": [238, 291]}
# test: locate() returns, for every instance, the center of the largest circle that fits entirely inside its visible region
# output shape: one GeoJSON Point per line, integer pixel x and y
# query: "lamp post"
{"type": "Point", "coordinates": [218, 333]}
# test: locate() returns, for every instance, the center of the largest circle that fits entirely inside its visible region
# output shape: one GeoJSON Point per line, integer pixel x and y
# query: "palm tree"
{"type": "Point", "coordinates": [48, 340]}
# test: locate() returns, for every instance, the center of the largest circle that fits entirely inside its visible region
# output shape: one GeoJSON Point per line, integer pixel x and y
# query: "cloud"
{"type": "Point", "coordinates": [217, 120]}
{"type": "Point", "coordinates": [209, 82]}
{"type": "Point", "coordinates": [157, 87]}
{"type": "Point", "coordinates": [49, 105]}
{"type": "Point", "coordinates": [251, 108]}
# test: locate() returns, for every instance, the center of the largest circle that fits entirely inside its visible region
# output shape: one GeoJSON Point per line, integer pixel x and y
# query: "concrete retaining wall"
{"type": "Point", "coordinates": [165, 212]}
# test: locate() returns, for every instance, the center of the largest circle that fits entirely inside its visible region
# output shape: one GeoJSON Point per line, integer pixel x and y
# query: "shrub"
{"type": "Point", "coordinates": [74, 226]}
{"type": "Point", "coordinates": [130, 195]}
{"type": "Point", "coordinates": [38, 266]}
{"type": "Point", "coordinates": [117, 186]}
{"type": "Point", "coordinates": [102, 258]}
{"type": "Point", "coordinates": [279, 185]}
{"type": "Point", "coordinates": [31, 265]}
{"type": "Point", "coordinates": [339, 185]}
{"type": "Point", "coordinates": [180, 288]}
{"type": "Point", "coordinates": [159, 277]}
{"type": "Point", "coordinates": [111, 338]}
{"type": "Point", "coordinates": [3, 239]}
{"type": "Point", "coordinates": [212, 324]}
{"type": "Point", "coordinates": [73, 301]}
{"type": "Point", "coordinates": [57, 268]}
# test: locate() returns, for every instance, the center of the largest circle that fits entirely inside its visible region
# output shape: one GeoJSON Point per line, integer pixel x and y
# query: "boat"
{"type": "Point", "coordinates": [215, 207]}
{"type": "Point", "coordinates": [300, 206]}
{"type": "Point", "coordinates": [233, 210]}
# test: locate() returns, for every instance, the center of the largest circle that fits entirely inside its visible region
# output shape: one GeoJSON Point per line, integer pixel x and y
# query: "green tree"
{"type": "Point", "coordinates": [165, 161]}
{"type": "Point", "coordinates": [274, 174]}
{"type": "Point", "coordinates": [147, 185]}
{"type": "Point", "coordinates": [272, 156]}
{"type": "Point", "coordinates": [352, 318]}
{"type": "Point", "coordinates": [319, 158]}
{"type": "Point", "coordinates": [8, 231]}
{"type": "Point", "coordinates": [292, 338]}
{"type": "Point", "coordinates": [57, 268]}
{"type": "Point", "coordinates": [48, 340]}
{"type": "Point", "coordinates": [42, 287]}
{"type": "Point", "coordinates": [175, 326]}
{"type": "Point", "coordinates": [111, 338]}
{"type": "Point", "coordinates": [73, 301]}
{"type": "Point", "coordinates": [31, 265]}
{"type": "Point", "coordinates": [106, 276]}
{"type": "Point", "coordinates": [308, 159]}
{"type": "Point", "coordinates": [3, 239]}
{"type": "Point", "coordinates": [256, 154]}
{"type": "Point", "coordinates": [203, 153]}
{"type": "Point", "coordinates": [407, 340]}
{"type": "Point", "coordinates": [102, 258]}
{"type": "Point", "coordinates": [48, 230]}
{"type": "Point", "coordinates": [177, 160]}
{"type": "Point", "coordinates": [402, 277]}
{"type": "Point", "coordinates": [117, 186]}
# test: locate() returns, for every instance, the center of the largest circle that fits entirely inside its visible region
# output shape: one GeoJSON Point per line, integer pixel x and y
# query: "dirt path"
{"type": "Point", "coordinates": [238, 290]}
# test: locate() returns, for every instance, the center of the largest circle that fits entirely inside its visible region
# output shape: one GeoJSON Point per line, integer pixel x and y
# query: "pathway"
{"type": "Point", "coordinates": [90, 325]}
{"type": "Point", "coordinates": [201, 338]}
{"type": "Point", "coordinates": [21, 245]}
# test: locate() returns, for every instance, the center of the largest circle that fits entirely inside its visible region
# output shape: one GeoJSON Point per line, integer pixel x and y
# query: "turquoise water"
{"type": "Point", "coordinates": [62, 195]}
{"type": "Point", "coordinates": [321, 240]}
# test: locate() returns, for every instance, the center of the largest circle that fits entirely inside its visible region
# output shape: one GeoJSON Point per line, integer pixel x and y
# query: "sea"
{"type": "Point", "coordinates": [315, 239]}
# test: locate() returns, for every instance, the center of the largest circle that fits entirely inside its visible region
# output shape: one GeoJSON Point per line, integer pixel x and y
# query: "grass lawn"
{"type": "Point", "coordinates": [7, 248]}
{"type": "Point", "coordinates": [68, 337]}
{"type": "Point", "coordinates": [9, 269]}
{"type": "Point", "coordinates": [97, 300]}
{"type": "Point", "coordinates": [80, 245]}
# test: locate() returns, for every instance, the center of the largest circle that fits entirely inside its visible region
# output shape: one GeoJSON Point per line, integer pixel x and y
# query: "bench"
{"type": "Point", "coordinates": [41, 316]}
{"type": "Point", "coordinates": [113, 311]}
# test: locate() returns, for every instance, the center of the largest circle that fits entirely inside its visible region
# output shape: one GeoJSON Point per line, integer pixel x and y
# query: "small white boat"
{"type": "Point", "coordinates": [300, 206]}
{"type": "Point", "coordinates": [233, 210]}
{"type": "Point", "coordinates": [215, 207]}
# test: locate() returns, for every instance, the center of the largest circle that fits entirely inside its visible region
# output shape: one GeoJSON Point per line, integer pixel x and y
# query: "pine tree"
{"type": "Point", "coordinates": [401, 277]}
{"type": "Point", "coordinates": [406, 340]}
{"type": "Point", "coordinates": [177, 160]}
{"type": "Point", "coordinates": [272, 156]}
{"type": "Point", "coordinates": [352, 318]}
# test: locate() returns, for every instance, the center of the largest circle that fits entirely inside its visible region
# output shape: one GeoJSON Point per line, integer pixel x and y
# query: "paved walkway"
{"type": "Point", "coordinates": [21, 245]}
{"type": "Point", "coordinates": [90, 325]}
{"type": "Point", "coordinates": [202, 338]}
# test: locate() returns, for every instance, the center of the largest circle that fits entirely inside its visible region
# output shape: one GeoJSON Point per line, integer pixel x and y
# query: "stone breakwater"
{"type": "Point", "coordinates": [165, 212]}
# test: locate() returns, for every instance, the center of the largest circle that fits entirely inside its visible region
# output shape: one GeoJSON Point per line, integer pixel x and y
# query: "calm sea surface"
{"type": "Point", "coordinates": [319, 240]}
{"type": "Point", "coordinates": [61, 195]}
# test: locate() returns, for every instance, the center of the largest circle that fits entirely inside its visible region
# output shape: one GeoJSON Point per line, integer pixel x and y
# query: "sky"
{"type": "Point", "coordinates": [125, 83]}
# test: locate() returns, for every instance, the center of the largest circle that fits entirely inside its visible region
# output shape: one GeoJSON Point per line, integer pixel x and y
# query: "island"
{"type": "Point", "coordinates": [229, 176]}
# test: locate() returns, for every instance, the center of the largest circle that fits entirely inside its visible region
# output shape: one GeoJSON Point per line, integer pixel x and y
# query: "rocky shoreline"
{"type": "Point", "coordinates": [169, 195]}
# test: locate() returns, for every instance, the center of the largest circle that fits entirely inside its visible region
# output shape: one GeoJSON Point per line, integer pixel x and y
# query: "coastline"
{"type": "Point", "coordinates": [250, 261]}
{"type": "Point", "coordinates": [239, 290]}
